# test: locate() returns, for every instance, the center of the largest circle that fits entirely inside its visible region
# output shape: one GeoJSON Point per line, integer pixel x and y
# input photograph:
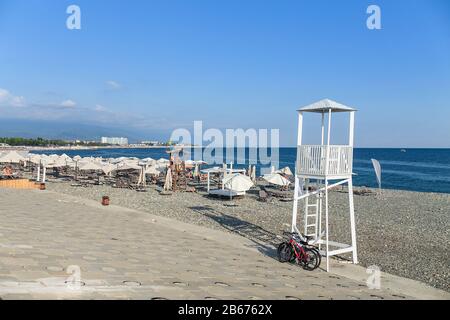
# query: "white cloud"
{"type": "Point", "coordinates": [100, 108]}
{"type": "Point", "coordinates": [113, 84]}
{"type": "Point", "coordinates": [10, 100]}
{"type": "Point", "coordinates": [68, 103]}
{"type": "Point", "coordinates": [66, 110]}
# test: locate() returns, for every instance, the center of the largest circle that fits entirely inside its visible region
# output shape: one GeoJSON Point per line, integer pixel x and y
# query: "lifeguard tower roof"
{"type": "Point", "coordinates": [325, 105]}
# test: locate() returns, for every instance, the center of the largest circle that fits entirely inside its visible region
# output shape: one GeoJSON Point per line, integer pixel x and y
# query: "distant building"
{"type": "Point", "coordinates": [115, 140]}
{"type": "Point", "coordinates": [151, 143]}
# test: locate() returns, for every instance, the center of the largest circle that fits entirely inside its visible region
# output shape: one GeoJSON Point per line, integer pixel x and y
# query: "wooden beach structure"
{"type": "Point", "coordinates": [327, 166]}
{"type": "Point", "coordinates": [21, 184]}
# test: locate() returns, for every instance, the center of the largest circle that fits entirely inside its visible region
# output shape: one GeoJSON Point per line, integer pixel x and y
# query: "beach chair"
{"type": "Point", "coordinates": [263, 196]}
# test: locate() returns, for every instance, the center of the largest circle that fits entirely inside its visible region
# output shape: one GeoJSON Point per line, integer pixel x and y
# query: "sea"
{"type": "Point", "coordinates": [424, 170]}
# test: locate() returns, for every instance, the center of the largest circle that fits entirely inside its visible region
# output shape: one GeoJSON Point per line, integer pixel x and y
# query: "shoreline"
{"type": "Point", "coordinates": [30, 148]}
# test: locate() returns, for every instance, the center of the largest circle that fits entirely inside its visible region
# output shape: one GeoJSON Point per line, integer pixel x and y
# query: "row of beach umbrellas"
{"type": "Point", "coordinates": [146, 166]}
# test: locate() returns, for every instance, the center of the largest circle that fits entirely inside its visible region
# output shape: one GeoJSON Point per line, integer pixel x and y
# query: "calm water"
{"type": "Point", "coordinates": [417, 169]}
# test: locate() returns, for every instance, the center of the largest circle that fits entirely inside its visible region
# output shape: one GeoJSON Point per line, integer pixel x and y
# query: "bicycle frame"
{"type": "Point", "coordinates": [298, 250]}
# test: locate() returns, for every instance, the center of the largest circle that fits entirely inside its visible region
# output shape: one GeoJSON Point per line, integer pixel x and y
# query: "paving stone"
{"type": "Point", "coordinates": [121, 256]}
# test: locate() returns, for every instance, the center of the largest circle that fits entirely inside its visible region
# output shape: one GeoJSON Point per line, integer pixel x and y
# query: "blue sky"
{"type": "Point", "coordinates": [153, 66]}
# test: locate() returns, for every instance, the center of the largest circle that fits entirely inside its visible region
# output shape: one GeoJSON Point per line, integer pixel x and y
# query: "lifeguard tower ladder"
{"type": "Point", "coordinates": [329, 166]}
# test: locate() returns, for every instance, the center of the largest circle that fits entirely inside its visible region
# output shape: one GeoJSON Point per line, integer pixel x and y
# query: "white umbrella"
{"type": "Point", "coordinates": [56, 164]}
{"type": "Point", "coordinates": [253, 174]}
{"type": "Point", "coordinates": [277, 179]}
{"type": "Point", "coordinates": [89, 166]}
{"type": "Point", "coordinates": [35, 158]}
{"type": "Point", "coordinates": [142, 179]}
{"type": "Point", "coordinates": [237, 182]}
{"type": "Point", "coordinates": [168, 181]}
{"type": "Point", "coordinates": [162, 160]}
{"type": "Point", "coordinates": [108, 168]}
{"type": "Point", "coordinates": [12, 157]}
{"type": "Point", "coordinates": [152, 170]}
{"type": "Point", "coordinates": [285, 171]}
{"type": "Point", "coordinates": [189, 163]}
{"type": "Point", "coordinates": [127, 166]}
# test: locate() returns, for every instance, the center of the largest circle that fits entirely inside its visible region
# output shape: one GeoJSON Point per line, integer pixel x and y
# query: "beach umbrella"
{"type": "Point", "coordinates": [12, 157]}
{"type": "Point", "coordinates": [253, 174]}
{"type": "Point", "coordinates": [123, 166]}
{"type": "Point", "coordinates": [34, 158]}
{"type": "Point", "coordinates": [162, 160]}
{"type": "Point", "coordinates": [88, 159]}
{"type": "Point", "coordinates": [120, 159]}
{"type": "Point", "coordinates": [142, 179]}
{"type": "Point", "coordinates": [195, 173]}
{"type": "Point", "coordinates": [152, 170]}
{"type": "Point", "coordinates": [189, 163]}
{"type": "Point", "coordinates": [277, 179]}
{"type": "Point", "coordinates": [77, 158]}
{"type": "Point", "coordinates": [237, 182]}
{"type": "Point", "coordinates": [108, 168]}
{"type": "Point", "coordinates": [56, 164]}
{"type": "Point", "coordinates": [89, 166]}
{"type": "Point", "coordinates": [168, 180]}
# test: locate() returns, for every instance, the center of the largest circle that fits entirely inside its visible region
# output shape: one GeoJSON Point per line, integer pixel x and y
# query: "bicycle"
{"type": "Point", "coordinates": [297, 249]}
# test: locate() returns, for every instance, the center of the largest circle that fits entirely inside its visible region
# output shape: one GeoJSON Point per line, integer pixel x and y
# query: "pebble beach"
{"type": "Point", "coordinates": [402, 232]}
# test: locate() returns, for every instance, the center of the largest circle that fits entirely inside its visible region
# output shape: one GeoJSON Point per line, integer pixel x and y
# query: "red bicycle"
{"type": "Point", "coordinates": [297, 249]}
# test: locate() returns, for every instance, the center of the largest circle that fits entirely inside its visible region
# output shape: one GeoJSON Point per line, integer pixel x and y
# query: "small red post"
{"type": "Point", "coordinates": [105, 200]}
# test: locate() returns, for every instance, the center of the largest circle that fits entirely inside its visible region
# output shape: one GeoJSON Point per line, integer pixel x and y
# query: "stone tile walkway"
{"type": "Point", "coordinates": [55, 246]}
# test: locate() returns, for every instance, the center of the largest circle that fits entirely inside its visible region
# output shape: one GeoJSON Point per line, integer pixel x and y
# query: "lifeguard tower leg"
{"type": "Point", "coordinates": [352, 220]}
{"type": "Point", "coordinates": [295, 206]}
{"type": "Point", "coordinates": [326, 226]}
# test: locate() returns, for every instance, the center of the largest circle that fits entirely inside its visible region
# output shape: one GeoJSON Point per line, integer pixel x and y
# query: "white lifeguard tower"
{"type": "Point", "coordinates": [328, 166]}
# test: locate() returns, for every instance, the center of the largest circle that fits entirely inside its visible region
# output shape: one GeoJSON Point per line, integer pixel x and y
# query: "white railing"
{"type": "Point", "coordinates": [311, 160]}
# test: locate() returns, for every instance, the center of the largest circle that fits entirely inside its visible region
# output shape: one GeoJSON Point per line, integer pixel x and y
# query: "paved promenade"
{"type": "Point", "coordinates": [55, 246]}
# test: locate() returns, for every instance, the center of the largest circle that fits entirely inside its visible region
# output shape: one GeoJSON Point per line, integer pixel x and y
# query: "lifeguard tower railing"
{"type": "Point", "coordinates": [312, 161]}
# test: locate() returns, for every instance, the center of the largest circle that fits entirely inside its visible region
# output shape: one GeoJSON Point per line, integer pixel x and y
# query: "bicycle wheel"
{"type": "Point", "coordinates": [285, 252]}
{"type": "Point", "coordinates": [311, 260]}
{"type": "Point", "coordinates": [318, 254]}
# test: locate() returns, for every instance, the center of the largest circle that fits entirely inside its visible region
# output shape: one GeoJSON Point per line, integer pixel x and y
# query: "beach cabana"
{"type": "Point", "coordinates": [237, 182]}
{"type": "Point", "coordinates": [223, 172]}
